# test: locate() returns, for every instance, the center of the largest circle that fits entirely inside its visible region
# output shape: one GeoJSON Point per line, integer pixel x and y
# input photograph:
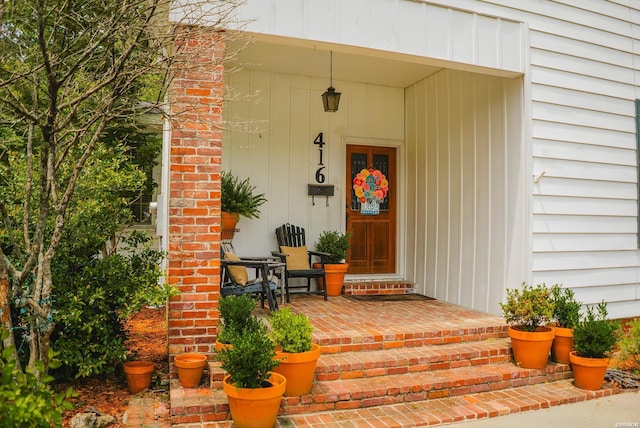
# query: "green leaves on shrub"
{"type": "Point", "coordinates": [25, 401]}
{"type": "Point", "coordinates": [291, 332]}
{"type": "Point", "coordinates": [235, 314]}
{"type": "Point", "coordinates": [529, 308]}
{"type": "Point", "coordinates": [251, 357]}
{"type": "Point", "coordinates": [595, 336]}
{"type": "Point", "coordinates": [566, 310]}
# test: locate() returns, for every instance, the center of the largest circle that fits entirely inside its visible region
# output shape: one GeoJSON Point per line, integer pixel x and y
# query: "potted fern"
{"type": "Point", "coordinates": [594, 339]}
{"type": "Point", "coordinates": [253, 389]}
{"type": "Point", "coordinates": [527, 312]}
{"type": "Point", "coordinates": [237, 198]}
{"type": "Point", "coordinates": [296, 353]}
{"type": "Point", "coordinates": [336, 245]}
{"type": "Point", "coordinates": [566, 315]}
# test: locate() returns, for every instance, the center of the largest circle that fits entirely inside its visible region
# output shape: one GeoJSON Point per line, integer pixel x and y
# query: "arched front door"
{"type": "Point", "coordinates": [373, 242]}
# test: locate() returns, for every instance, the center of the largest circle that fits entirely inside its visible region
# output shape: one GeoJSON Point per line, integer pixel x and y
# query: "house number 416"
{"type": "Point", "coordinates": [320, 178]}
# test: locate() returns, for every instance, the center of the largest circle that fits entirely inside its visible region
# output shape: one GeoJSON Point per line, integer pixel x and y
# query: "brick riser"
{"type": "Point", "coordinates": [378, 287]}
{"type": "Point", "coordinates": [411, 371]}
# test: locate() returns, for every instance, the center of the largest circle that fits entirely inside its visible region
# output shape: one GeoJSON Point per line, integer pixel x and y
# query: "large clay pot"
{"type": "Point", "coordinates": [299, 369]}
{"type": "Point", "coordinates": [138, 375]}
{"type": "Point", "coordinates": [588, 373]}
{"type": "Point", "coordinates": [334, 274]}
{"type": "Point", "coordinates": [190, 367]}
{"type": "Point", "coordinates": [531, 349]}
{"type": "Point", "coordinates": [562, 345]}
{"type": "Point", "coordinates": [255, 407]}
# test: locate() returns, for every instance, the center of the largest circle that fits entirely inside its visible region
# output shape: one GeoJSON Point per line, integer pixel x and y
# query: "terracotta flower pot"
{"type": "Point", "coordinates": [562, 345]}
{"type": "Point", "coordinates": [588, 373]}
{"type": "Point", "coordinates": [531, 349]}
{"type": "Point", "coordinates": [190, 368]}
{"type": "Point", "coordinates": [228, 221]}
{"type": "Point", "coordinates": [334, 274]}
{"type": "Point", "coordinates": [255, 407]}
{"type": "Point", "coordinates": [138, 375]}
{"type": "Point", "coordinates": [299, 369]}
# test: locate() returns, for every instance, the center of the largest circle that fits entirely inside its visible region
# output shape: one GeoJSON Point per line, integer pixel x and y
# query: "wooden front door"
{"type": "Point", "coordinates": [373, 243]}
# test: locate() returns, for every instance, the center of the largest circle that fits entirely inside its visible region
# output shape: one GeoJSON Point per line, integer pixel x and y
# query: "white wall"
{"type": "Point", "coordinates": [284, 114]}
{"type": "Point", "coordinates": [465, 172]}
{"type": "Point", "coordinates": [581, 62]}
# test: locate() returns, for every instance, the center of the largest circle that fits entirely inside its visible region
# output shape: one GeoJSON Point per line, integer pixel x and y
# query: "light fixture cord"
{"type": "Point", "coordinates": [331, 69]}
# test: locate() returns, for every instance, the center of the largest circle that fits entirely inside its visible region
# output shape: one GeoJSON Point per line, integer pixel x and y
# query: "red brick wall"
{"type": "Point", "coordinates": [194, 196]}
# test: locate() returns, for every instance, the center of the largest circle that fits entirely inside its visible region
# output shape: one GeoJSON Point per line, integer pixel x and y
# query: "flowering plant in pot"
{"type": "Point", "coordinates": [566, 315]}
{"type": "Point", "coordinates": [254, 391]}
{"type": "Point", "coordinates": [237, 198]}
{"type": "Point", "coordinates": [527, 311]}
{"type": "Point", "coordinates": [335, 244]}
{"type": "Point", "coordinates": [295, 351]}
{"type": "Point", "coordinates": [594, 339]}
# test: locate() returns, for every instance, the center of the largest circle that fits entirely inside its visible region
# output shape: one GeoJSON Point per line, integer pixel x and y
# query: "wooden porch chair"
{"type": "Point", "coordinates": [293, 252]}
{"type": "Point", "coordinates": [234, 277]}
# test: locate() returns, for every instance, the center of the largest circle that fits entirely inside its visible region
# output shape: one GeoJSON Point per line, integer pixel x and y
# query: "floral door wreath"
{"type": "Point", "coordinates": [371, 187]}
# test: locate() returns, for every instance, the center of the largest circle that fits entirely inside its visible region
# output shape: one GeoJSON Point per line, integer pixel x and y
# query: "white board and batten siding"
{"type": "Point", "coordinates": [519, 157]}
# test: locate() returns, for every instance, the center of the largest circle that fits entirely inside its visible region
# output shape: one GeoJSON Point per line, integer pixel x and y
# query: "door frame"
{"type": "Point", "coordinates": [400, 201]}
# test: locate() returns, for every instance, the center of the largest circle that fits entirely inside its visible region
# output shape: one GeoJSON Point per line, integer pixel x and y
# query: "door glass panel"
{"type": "Point", "coordinates": [358, 163]}
{"type": "Point", "coordinates": [381, 162]}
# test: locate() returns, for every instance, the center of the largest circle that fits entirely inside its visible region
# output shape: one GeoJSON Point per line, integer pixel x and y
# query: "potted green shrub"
{"type": "Point", "coordinates": [336, 245]}
{"type": "Point", "coordinates": [238, 198]}
{"type": "Point", "coordinates": [594, 339]}
{"type": "Point", "coordinates": [253, 389]}
{"type": "Point", "coordinates": [297, 354]}
{"type": "Point", "coordinates": [566, 315]}
{"type": "Point", "coordinates": [527, 312]}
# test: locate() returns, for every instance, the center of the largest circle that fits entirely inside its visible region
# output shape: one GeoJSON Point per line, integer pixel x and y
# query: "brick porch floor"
{"type": "Point", "coordinates": [391, 364]}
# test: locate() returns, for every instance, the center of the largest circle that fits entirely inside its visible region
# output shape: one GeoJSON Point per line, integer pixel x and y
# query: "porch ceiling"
{"type": "Point", "coordinates": [365, 66]}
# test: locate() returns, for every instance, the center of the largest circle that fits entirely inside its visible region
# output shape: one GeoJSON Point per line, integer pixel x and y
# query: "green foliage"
{"type": "Point", "coordinates": [528, 309]}
{"type": "Point", "coordinates": [25, 400]}
{"type": "Point", "coordinates": [251, 357]}
{"type": "Point", "coordinates": [94, 298]}
{"type": "Point", "coordinates": [566, 310]}
{"type": "Point", "coordinates": [595, 336]}
{"type": "Point", "coordinates": [334, 243]}
{"type": "Point", "coordinates": [238, 196]}
{"type": "Point", "coordinates": [235, 312]}
{"type": "Point", "coordinates": [291, 332]}
{"type": "Point", "coordinates": [630, 342]}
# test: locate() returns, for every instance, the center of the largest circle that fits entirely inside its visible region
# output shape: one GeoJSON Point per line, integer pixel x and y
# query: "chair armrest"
{"type": "Point", "coordinates": [318, 253]}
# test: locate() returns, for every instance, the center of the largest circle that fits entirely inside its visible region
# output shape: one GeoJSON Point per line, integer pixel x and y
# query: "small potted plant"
{"type": "Point", "coordinates": [295, 351]}
{"type": "Point", "coordinates": [336, 245]}
{"type": "Point", "coordinates": [527, 312]}
{"type": "Point", "coordinates": [253, 389]}
{"type": "Point", "coordinates": [566, 315]}
{"type": "Point", "coordinates": [238, 198]}
{"type": "Point", "coordinates": [594, 339]}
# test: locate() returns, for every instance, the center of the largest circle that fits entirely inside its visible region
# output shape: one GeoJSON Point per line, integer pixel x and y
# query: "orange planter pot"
{"type": "Point", "coordinates": [228, 221]}
{"type": "Point", "coordinates": [562, 345]}
{"type": "Point", "coordinates": [255, 407]}
{"type": "Point", "coordinates": [190, 367]}
{"type": "Point", "coordinates": [138, 375]}
{"type": "Point", "coordinates": [588, 373]}
{"type": "Point", "coordinates": [335, 278]}
{"type": "Point", "coordinates": [531, 349]}
{"type": "Point", "coordinates": [299, 369]}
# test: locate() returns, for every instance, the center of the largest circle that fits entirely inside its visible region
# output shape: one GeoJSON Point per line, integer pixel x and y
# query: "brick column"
{"type": "Point", "coordinates": [194, 196]}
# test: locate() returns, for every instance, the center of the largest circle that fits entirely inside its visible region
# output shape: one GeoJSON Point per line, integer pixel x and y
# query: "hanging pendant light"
{"type": "Point", "coordinates": [331, 98]}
